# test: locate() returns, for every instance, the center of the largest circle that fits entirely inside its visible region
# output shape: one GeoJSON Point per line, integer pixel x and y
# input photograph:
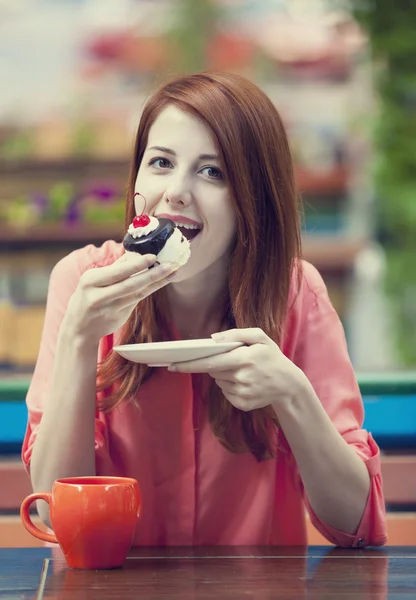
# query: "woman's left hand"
{"type": "Point", "coordinates": [252, 376]}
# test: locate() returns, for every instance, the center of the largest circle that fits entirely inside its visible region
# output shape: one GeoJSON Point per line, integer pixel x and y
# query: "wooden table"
{"type": "Point", "coordinates": [260, 573]}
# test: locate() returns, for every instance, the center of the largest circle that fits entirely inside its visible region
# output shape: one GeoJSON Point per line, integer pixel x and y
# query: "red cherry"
{"type": "Point", "coordinates": [141, 221]}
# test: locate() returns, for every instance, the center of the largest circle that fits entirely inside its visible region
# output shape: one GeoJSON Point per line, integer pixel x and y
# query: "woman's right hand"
{"type": "Point", "coordinates": [106, 296]}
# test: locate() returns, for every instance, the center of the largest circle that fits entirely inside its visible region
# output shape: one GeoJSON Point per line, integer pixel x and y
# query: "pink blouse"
{"type": "Point", "coordinates": [194, 490]}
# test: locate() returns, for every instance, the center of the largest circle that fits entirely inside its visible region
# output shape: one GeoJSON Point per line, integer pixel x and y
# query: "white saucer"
{"type": "Point", "coordinates": [163, 354]}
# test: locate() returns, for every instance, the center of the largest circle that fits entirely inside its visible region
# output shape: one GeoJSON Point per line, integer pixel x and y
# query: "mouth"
{"type": "Point", "coordinates": [190, 232]}
{"type": "Point", "coordinates": [189, 228]}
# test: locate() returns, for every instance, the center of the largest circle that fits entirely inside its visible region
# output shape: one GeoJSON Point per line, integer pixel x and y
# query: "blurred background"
{"type": "Point", "coordinates": [74, 75]}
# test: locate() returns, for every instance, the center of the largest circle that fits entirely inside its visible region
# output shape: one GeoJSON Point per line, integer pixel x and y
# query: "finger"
{"type": "Point", "coordinates": [135, 286]}
{"type": "Point", "coordinates": [236, 401]}
{"type": "Point", "coordinates": [227, 361]}
{"type": "Point", "coordinates": [127, 265]}
{"type": "Point", "coordinates": [226, 386]}
{"type": "Point", "coordinates": [250, 336]}
{"type": "Point", "coordinates": [135, 297]}
{"type": "Point", "coordinates": [234, 387]}
{"type": "Point", "coordinates": [224, 376]}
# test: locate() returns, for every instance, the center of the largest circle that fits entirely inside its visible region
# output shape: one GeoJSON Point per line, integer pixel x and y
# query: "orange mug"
{"type": "Point", "coordinates": [93, 519]}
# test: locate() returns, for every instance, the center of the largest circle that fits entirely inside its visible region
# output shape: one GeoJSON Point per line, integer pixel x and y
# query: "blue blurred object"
{"type": "Point", "coordinates": [390, 418]}
{"type": "Point", "coordinates": [324, 223]}
{"type": "Point", "coordinates": [13, 418]}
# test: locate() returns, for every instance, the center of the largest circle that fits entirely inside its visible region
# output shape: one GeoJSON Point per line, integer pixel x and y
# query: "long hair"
{"type": "Point", "coordinates": [255, 154]}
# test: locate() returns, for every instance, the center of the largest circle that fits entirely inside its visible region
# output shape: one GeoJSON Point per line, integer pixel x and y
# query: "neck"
{"type": "Point", "coordinates": [196, 306]}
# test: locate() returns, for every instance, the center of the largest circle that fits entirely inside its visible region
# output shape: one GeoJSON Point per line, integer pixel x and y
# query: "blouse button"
{"type": "Point", "coordinates": [360, 543]}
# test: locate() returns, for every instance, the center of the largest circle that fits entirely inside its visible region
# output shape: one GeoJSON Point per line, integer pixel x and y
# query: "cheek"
{"type": "Point", "coordinates": [218, 208]}
{"type": "Point", "coordinates": [140, 203]}
{"type": "Point", "coordinates": [221, 237]}
{"type": "Point", "coordinates": [150, 194]}
{"type": "Point", "coordinates": [227, 219]}
{"type": "Point", "coordinates": [139, 188]}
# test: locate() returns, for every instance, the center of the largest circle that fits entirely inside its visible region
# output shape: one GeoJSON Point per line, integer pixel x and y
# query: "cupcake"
{"type": "Point", "coordinates": [150, 235]}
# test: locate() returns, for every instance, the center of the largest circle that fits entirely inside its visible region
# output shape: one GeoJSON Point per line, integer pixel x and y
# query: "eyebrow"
{"type": "Point", "coordinates": [173, 153]}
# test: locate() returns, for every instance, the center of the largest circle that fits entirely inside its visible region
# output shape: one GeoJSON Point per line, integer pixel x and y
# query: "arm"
{"type": "Point", "coordinates": [55, 395]}
{"type": "Point", "coordinates": [64, 444]}
{"type": "Point", "coordinates": [312, 388]}
{"type": "Point", "coordinates": [82, 308]}
{"type": "Point", "coordinates": [341, 473]}
{"type": "Point", "coordinates": [336, 480]}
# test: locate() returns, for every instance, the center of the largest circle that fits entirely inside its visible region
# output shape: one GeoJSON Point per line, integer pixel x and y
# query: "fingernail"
{"type": "Point", "coordinates": [218, 337]}
{"type": "Point", "coordinates": [171, 368]}
{"type": "Point", "coordinates": [166, 267]}
{"type": "Point", "coordinates": [150, 259]}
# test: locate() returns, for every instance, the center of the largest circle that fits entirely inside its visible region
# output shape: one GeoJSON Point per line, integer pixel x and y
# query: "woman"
{"type": "Point", "coordinates": [227, 450]}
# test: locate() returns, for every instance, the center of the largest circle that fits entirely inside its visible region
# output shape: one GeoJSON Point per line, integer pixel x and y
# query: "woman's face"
{"type": "Point", "coordinates": [181, 178]}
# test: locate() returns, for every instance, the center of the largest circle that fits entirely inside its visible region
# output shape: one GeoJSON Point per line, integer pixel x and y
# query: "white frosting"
{"type": "Point", "coordinates": [138, 232]}
{"type": "Point", "coordinates": [175, 250]}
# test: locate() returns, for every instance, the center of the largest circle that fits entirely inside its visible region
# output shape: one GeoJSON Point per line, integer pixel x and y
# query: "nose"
{"type": "Point", "coordinates": [178, 193]}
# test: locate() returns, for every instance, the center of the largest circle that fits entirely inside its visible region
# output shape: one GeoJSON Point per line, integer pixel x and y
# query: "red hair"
{"type": "Point", "coordinates": [256, 157]}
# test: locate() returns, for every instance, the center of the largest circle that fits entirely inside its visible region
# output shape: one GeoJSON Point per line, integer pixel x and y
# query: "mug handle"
{"type": "Point", "coordinates": [27, 521]}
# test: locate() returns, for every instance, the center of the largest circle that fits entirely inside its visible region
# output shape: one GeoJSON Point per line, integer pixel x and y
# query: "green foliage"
{"type": "Point", "coordinates": [17, 146]}
{"type": "Point", "coordinates": [60, 197]}
{"type": "Point", "coordinates": [391, 28]}
{"type": "Point", "coordinates": [195, 24]}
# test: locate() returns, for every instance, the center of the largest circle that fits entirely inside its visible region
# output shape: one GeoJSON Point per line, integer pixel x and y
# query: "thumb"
{"type": "Point", "coordinates": [250, 336]}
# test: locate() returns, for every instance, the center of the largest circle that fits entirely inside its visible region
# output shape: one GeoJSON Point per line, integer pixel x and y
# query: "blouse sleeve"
{"type": "Point", "coordinates": [62, 284]}
{"type": "Point", "coordinates": [321, 352]}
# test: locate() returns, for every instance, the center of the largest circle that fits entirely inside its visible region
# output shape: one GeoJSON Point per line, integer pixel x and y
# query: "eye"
{"type": "Point", "coordinates": [212, 172]}
{"type": "Point", "coordinates": [160, 163]}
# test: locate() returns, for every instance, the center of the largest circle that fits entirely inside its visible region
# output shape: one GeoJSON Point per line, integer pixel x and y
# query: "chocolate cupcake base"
{"type": "Point", "coordinates": [152, 243]}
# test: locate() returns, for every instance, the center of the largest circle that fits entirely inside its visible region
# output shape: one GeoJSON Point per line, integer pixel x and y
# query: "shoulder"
{"type": "Point", "coordinates": [311, 276]}
{"type": "Point", "coordinates": [78, 261]}
{"type": "Point", "coordinates": [67, 272]}
{"type": "Point", "coordinates": [309, 308]}
{"type": "Point", "coordinates": [307, 285]}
